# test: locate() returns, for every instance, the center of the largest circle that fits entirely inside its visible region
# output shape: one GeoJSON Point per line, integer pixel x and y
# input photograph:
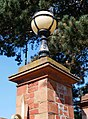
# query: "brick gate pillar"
{"type": "Point", "coordinates": [44, 90]}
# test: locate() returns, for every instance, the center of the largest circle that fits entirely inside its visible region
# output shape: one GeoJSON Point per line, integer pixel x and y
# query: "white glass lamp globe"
{"type": "Point", "coordinates": [43, 20]}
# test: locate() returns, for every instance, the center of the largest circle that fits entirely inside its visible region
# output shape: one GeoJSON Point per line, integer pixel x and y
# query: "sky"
{"type": "Point", "coordinates": [8, 66]}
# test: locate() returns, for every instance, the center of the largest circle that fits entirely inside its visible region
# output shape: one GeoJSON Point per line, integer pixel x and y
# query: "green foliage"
{"type": "Point", "coordinates": [72, 33]}
{"type": "Point", "coordinates": [71, 38]}
{"type": "Point", "coordinates": [15, 17]}
{"type": "Point", "coordinates": [43, 4]}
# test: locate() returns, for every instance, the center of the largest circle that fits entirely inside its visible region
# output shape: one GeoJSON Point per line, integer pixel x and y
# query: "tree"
{"type": "Point", "coordinates": [15, 31]}
{"type": "Point", "coordinates": [71, 41]}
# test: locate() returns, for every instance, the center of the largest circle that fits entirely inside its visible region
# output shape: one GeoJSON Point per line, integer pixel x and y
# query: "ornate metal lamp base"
{"type": "Point", "coordinates": [44, 51]}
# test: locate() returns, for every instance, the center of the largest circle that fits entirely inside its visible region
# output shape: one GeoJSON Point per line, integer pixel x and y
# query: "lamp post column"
{"type": "Point", "coordinates": [44, 51]}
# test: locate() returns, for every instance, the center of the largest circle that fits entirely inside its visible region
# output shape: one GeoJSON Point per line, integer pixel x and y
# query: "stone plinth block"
{"type": "Point", "coordinates": [44, 90]}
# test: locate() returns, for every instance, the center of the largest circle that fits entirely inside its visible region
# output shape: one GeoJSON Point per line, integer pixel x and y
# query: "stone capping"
{"type": "Point", "coordinates": [38, 67]}
{"type": "Point", "coordinates": [84, 98]}
{"type": "Point", "coordinates": [84, 101]}
{"type": "Point", "coordinates": [42, 61]}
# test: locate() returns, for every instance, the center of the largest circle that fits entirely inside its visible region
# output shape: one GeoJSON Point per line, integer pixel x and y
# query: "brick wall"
{"type": "Point", "coordinates": [44, 90]}
{"type": "Point", "coordinates": [45, 99]}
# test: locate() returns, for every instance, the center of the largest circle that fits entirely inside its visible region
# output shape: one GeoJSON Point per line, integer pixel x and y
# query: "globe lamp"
{"type": "Point", "coordinates": [43, 24]}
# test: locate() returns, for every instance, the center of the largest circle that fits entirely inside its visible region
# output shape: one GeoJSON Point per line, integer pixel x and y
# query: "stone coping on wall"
{"type": "Point", "coordinates": [43, 67]}
{"type": "Point", "coordinates": [84, 101]}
